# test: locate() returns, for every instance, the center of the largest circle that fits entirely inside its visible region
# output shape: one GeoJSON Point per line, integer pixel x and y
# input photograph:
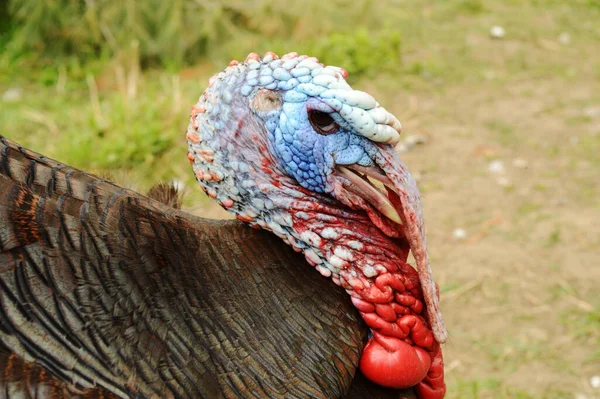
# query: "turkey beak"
{"type": "Point", "coordinates": [406, 201]}
{"type": "Point", "coordinates": [360, 181]}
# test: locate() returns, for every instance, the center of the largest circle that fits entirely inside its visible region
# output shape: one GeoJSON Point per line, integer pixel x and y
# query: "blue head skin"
{"type": "Point", "coordinates": [273, 141]}
{"type": "Point", "coordinates": [309, 153]}
{"type": "Point", "coordinates": [321, 122]}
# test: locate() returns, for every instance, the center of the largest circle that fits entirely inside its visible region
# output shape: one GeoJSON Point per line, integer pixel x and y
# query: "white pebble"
{"type": "Point", "coordinates": [12, 95]}
{"type": "Point", "coordinates": [595, 382]}
{"type": "Point", "coordinates": [489, 75]}
{"type": "Point", "coordinates": [592, 111]}
{"type": "Point", "coordinates": [415, 139]}
{"type": "Point", "coordinates": [503, 181]}
{"type": "Point", "coordinates": [496, 167]}
{"type": "Point", "coordinates": [459, 234]}
{"type": "Point", "coordinates": [497, 32]}
{"type": "Point", "coordinates": [401, 147]}
{"type": "Point", "coordinates": [564, 38]}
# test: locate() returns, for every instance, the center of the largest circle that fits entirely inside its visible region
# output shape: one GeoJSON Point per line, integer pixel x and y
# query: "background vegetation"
{"type": "Point", "coordinates": [509, 169]}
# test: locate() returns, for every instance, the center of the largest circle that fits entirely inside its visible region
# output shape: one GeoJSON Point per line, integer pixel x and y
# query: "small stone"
{"type": "Point", "coordinates": [12, 95]}
{"type": "Point", "coordinates": [564, 38]}
{"type": "Point", "coordinates": [496, 167]}
{"type": "Point", "coordinates": [497, 32]}
{"type": "Point", "coordinates": [489, 74]}
{"type": "Point", "coordinates": [595, 382]}
{"type": "Point", "coordinates": [418, 176]}
{"type": "Point", "coordinates": [520, 163]}
{"type": "Point", "coordinates": [415, 139]}
{"type": "Point", "coordinates": [459, 234]}
{"type": "Point", "coordinates": [591, 112]}
{"type": "Point", "coordinates": [503, 181]}
{"type": "Point", "coordinates": [401, 147]}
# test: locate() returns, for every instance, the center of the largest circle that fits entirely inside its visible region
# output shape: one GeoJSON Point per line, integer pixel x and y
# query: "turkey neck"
{"type": "Point", "coordinates": [231, 154]}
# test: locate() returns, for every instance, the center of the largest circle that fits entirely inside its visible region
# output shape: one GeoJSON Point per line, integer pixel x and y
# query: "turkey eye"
{"type": "Point", "coordinates": [322, 122]}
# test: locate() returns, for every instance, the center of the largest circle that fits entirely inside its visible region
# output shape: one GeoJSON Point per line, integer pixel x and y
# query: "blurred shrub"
{"type": "Point", "coordinates": [359, 52]}
{"type": "Point", "coordinates": [471, 6]}
{"type": "Point", "coordinates": [178, 32]}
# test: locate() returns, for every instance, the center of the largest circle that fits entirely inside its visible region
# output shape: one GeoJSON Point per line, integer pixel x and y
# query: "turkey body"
{"type": "Point", "coordinates": [107, 293]}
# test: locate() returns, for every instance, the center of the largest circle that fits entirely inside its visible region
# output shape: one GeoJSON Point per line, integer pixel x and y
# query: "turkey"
{"type": "Point", "coordinates": [105, 293]}
{"type": "Point", "coordinates": [102, 286]}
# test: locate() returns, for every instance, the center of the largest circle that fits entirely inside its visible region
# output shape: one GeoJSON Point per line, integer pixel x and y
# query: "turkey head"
{"type": "Point", "coordinates": [287, 145]}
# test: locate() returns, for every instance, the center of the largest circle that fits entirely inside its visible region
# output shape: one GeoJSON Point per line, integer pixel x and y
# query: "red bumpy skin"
{"type": "Point", "coordinates": [394, 363]}
{"type": "Point", "coordinates": [403, 351]}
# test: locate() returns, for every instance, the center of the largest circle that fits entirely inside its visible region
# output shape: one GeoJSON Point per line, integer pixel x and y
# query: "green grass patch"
{"type": "Point", "coordinates": [583, 324]}
{"type": "Point", "coordinates": [528, 208]}
{"type": "Point", "coordinates": [495, 387]}
{"type": "Point", "coordinates": [505, 132]}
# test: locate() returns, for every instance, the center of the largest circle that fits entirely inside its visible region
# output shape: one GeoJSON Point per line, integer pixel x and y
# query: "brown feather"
{"type": "Point", "coordinates": [166, 193]}
{"type": "Point", "coordinates": [107, 292]}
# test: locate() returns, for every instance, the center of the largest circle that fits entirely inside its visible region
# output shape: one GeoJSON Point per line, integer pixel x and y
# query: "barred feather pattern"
{"type": "Point", "coordinates": [106, 293]}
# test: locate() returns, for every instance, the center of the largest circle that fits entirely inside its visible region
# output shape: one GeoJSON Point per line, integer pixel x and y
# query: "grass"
{"type": "Point", "coordinates": [519, 293]}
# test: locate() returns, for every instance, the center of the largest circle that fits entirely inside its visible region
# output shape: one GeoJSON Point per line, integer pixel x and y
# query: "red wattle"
{"type": "Point", "coordinates": [433, 386]}
{"type": "Point", "coordinates": [425, 391]}
{"type": "Point", "coordinates": [393, 363]}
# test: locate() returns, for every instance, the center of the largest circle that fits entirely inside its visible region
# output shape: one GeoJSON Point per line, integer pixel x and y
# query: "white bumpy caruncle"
{"type": "Point", "coordinates": [302, 77]}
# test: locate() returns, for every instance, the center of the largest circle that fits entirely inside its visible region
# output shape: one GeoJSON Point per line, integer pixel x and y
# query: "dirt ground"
{"type": "Point", "coordinates": [520, 291]}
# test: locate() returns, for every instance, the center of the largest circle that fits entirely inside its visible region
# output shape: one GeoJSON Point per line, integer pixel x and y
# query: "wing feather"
{"type": "Point", "coordinates": [108, 292]}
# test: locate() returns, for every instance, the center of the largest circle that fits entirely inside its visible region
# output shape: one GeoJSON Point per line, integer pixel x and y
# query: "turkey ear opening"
{"type": "Point", "coordinates": [265, 100]}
